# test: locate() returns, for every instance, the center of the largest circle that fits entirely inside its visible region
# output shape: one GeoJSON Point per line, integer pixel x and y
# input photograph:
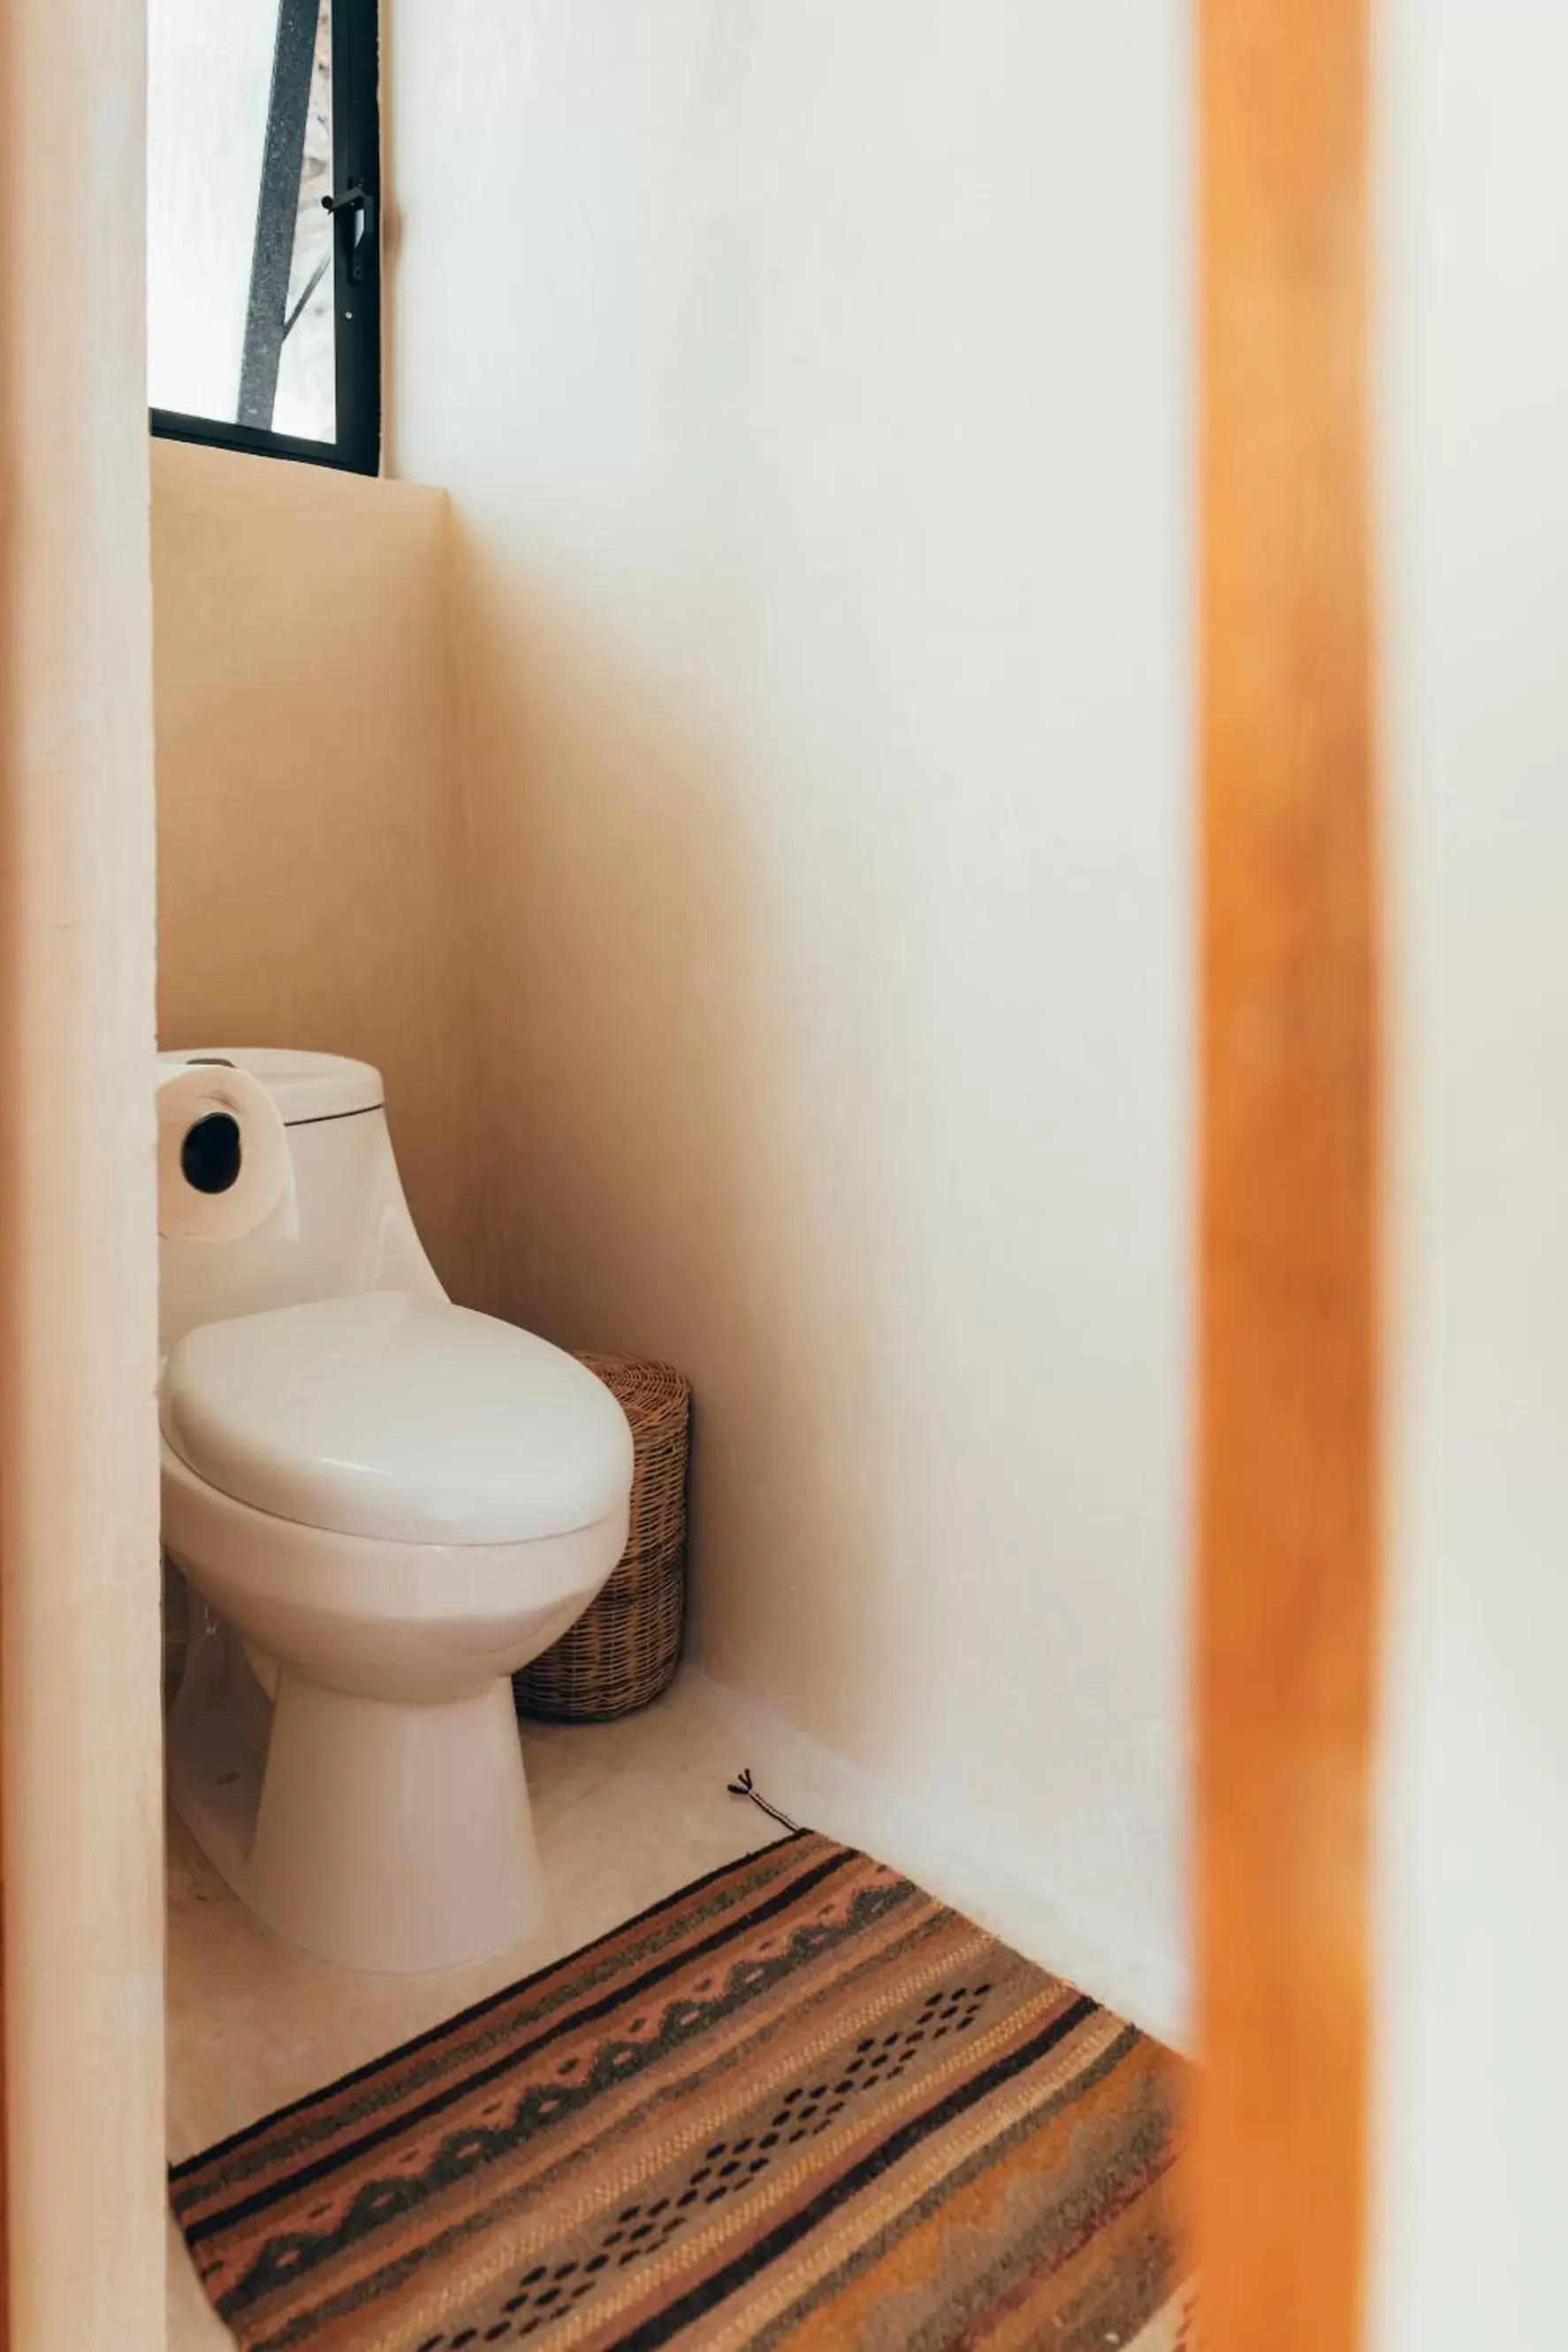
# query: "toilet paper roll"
{"type": "Point", "coordinates": [223, 1163]}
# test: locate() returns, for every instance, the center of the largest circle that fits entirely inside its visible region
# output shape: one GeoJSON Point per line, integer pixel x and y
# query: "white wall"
{"type": "Point", "coordinates": [1474, 2135]}
{"type": "Point", "coordinates": [810, 377]}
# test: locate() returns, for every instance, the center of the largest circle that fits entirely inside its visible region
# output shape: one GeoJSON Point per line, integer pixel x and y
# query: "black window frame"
{"type": "Point", "coordinates": [356, 223]}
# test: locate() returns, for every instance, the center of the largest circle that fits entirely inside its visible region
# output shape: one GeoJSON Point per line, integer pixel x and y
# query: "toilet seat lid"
{"type": "Point", "coordinates": [407, 1419]}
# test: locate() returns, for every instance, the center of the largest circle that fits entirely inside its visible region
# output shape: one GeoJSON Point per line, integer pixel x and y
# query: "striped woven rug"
{"type": "Point", "coordinates": [799, 2105]}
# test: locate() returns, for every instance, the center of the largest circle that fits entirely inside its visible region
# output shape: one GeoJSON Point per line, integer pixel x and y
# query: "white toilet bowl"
{"type": "Point", "coordinates": [386, 1504]}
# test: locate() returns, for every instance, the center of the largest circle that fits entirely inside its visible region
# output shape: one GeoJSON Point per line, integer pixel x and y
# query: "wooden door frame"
{"type": "Point", "coordinates": [1288, 1547]}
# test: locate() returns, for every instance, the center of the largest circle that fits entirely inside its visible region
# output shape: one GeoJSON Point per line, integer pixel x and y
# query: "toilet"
{"type": "Point", "coordinates": [382, 1504]}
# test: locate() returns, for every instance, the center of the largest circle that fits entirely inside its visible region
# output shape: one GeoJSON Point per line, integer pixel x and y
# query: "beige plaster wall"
{"type": "Point", "coordinates": [816, 434]}
{"type": "Point", "coordinates": [81, 1755]}
{"type": "Point", "coordinates": [309, 824]}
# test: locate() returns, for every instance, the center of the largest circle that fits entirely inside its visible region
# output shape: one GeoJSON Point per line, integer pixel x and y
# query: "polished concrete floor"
{"type": "Point", "coordinates": [624, 1814]}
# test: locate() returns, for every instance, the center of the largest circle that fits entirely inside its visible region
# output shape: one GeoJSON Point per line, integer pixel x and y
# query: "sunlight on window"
{"type": "Point", "coordinates": [240, 251]}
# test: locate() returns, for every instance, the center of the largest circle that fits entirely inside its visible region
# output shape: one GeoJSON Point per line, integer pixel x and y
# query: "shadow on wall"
{"type": "Point", "coordinates": [310, 841]}
{"type": "Point", "coordinates": [680, 1160]}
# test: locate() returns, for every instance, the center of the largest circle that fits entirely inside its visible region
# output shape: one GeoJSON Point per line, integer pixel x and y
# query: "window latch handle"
{"type": "Point", "coordinates": [354, 199]}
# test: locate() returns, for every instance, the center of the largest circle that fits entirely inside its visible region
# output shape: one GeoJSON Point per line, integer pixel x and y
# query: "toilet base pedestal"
{"type": "Point", "coordinates": [384, 1835]}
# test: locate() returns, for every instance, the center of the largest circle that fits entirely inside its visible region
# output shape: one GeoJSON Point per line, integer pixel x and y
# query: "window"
{"type": "Point", "coordinates": [263, 227]}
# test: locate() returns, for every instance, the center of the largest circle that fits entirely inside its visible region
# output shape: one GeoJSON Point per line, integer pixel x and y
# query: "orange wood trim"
{"type": "Point", "coordinates": [1287, 1540]}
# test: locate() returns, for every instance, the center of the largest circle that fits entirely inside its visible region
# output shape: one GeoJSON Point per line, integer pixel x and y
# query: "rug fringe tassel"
{"type": "Point", "coordinates": [746, 1787]}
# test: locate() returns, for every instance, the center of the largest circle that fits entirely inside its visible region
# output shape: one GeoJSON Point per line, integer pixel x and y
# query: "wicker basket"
{"type": "Point", "coordinates": [623, 1650]}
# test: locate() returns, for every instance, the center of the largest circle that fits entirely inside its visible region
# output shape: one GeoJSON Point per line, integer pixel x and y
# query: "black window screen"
{"type": "Point", "coordinates": [263, 227]}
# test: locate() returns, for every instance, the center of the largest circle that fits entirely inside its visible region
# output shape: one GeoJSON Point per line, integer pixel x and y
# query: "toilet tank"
{"type": "Point", "coordinates": [350, 1227]}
